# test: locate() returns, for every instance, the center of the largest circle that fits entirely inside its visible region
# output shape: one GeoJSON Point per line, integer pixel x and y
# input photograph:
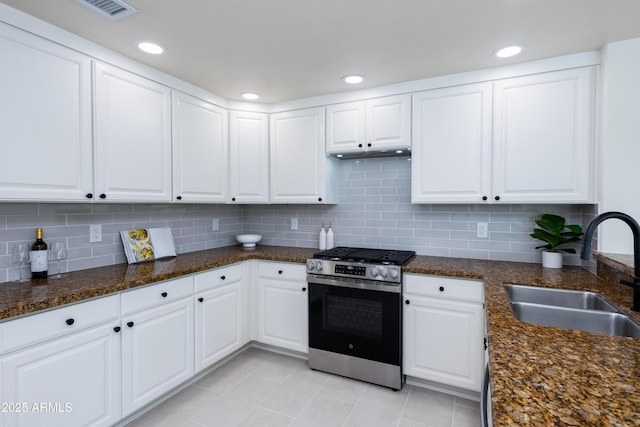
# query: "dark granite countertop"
{"type": "Point", "coordinates": [540, 376]}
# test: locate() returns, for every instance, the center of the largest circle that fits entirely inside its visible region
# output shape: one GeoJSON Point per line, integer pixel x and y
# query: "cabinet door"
{"type": "Point", "coordinates": [451, 153]}
{"type": "Point", "coordinates": [45, 120]}
{"type": "Point", "coordinates": [283, 314]}
{"type": "Point", "coordinates": [219, 324]}
{"type": "Point", "coordinates": [132, 137]}
{"type": "Point", "coordinates": [72, 381]}
{"type": "Point", "coordinates": [200, 142]}
{"type": "Point", "coordinates": [543, 137]}
{"type": "Point", "coordinates": [346, 128]}
{"type": "Point", "coordinates": [299, 168]}
{"type": "Point", "coordinates": [388, 124]}
{"type": "Point", "coordinates": [443, 341]}
{"type": "Point", "coordinates": [249, 159]}
{"type": "Point", "coordinates": [157, 352]}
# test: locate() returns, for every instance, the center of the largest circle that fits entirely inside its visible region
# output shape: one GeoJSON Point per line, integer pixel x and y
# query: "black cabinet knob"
{"type": "Point", "coordinates": [497, 197]}
{"type": "Point", "coordinates": [130, 324]}
{"type": "Point", "coordinates": [164, 294]}
{"type": "Point", "coordinates": [359, 145]}
{"type": "Point", "coordinates": [223, 277]}
{"type": "Point", "coordinates": [233, 199]}
{"type": "Point", "coordinates": [89, 195]}
{"type": "Point", "coordinates": [69, 322]}
{"type": "Point", "coordinates": [279, 271]}
{"type": "Point", "coordinates": [200, 299]}
{"type": "Point", "coordinates": [319, 199]}
{"type": "Point", "coordinates": [441, 288]}
{"type": "Point", "coordinates": [484, 197]}
{"type": "Point", "coordinates": [179, 197]}
{"type": "Point", "coordinates": [304, 289]}
{"type": "Point", "coordinates": [369, 145]}
{"type": "Point", "coordinates": [103, 196]}
{"type": "Point", "coordinates": [407, 302]}
{"type": "Point", "coordinates": [116, 329]}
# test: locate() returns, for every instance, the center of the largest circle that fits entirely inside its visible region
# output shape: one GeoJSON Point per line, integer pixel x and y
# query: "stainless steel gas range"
{"type": "Point", "coordinates": [355, 313]}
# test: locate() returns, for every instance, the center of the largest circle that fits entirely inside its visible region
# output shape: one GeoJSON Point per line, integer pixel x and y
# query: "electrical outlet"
{"type": "Point", "coordinates": [482, 229]}
{"type": "Point", "coordinates": [95, 233]}
{"type": "Point", "coordinates": [294, 223]}
{"type": "Point", "coordinates": [215, 224]}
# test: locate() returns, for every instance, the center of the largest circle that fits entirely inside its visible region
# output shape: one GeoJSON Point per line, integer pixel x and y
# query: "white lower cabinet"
{"type": "Point", "coordinates": [157, 342]}
{"type": "Point", "coordinates": [283, 306]}
{"type": "Point", "coordinates": [73, 380]}
{"type": "Point", "coordinates": [219, 315]}
{"type": "Point", "coordinates": [443, 330]}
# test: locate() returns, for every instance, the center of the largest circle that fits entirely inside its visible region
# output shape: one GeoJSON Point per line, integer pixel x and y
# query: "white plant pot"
{"type": "Point", "coordinates": [551, 259]}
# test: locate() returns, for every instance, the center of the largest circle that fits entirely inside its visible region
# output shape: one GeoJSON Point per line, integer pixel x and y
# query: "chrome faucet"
{"type": "Point", "coordinates": [635, 229]}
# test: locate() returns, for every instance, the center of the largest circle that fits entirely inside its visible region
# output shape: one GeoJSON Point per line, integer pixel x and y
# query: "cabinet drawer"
{"type": "Point", "coordinates": [444, 287]}
{"type": "Point", "coordinates": [50, 324]}
{"type": "Point", "coordinates": [218, 277]}
{"type": "Point", "coordinates": [149, 296]}
{"type": "Point", "coordinates": [282, 271]}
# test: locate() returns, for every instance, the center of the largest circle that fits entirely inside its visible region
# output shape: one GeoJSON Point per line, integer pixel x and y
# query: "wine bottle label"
{"type": "Point", "coordinates": [39, 261]}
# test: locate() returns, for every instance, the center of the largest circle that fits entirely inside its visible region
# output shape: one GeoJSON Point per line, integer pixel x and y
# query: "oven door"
{"type": "Point", "coordinates": [356, 322]}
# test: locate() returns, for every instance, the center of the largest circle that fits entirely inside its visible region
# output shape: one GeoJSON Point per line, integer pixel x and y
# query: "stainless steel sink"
{"type": "Point", "coordinates": [560, 297]}
{"type": "Point", "coordinates": [579, 310]}
{"type": "Point", "coordinates": [582, 320]}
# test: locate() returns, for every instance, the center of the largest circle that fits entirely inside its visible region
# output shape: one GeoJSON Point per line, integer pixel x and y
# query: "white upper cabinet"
{"type": "Point", "coordinates": [132, 137]}
{"type": "Point", "coordinates": [531, 141]}
{"type": "Point", "coordinates": [200, 151]}
{"type": "Point", "coordinates": [249, 157]}
{"type": "Point", "coordinates": [451, 156]}
{"type": "Point", "coordinates": [45, 120]}
{"type": "Point", "coordinates": [300, 170]}
{"type": "Point", "coordinates": [376, 124]}
{"type": "Point", "coordinates": [543, 137]}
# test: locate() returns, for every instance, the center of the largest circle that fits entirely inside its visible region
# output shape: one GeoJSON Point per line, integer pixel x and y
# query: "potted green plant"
{"type": "Point", "coordinates": [554, 231]}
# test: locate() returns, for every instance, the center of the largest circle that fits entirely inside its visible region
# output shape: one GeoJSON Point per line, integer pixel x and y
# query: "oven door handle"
{"type": "Point", "coordinates": [370, 285]}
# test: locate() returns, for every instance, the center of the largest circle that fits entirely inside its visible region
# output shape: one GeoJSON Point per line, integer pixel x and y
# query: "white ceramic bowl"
{"type": "Point", "coordinates": [249, 240]}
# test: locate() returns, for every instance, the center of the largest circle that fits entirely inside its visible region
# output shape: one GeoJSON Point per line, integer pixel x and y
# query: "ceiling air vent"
{"type": "Point", "coordinates": [112, 9]}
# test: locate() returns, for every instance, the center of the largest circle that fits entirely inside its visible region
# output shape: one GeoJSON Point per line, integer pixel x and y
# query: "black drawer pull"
{"type": "Point", "coordinates": [497, 197]}
{"type": "Point", "coordinates": [279, 271]}
{"type": "Point", "coordinates": [319, 199]}
{"type": "Point", "coordinates": [441, 288]}
{"type": "Point", "coordinates": [304, 289]}
{"type": "Point", "coordinates": [89, 196]}
{"type": "Point", "coordinates": [116, 329]}
{"type": "Point", "coordinates": [103, 196]}
{"type": "Point", "coordinates": [130, 324]}
{"type": "Point", "coordinates": [164, 294]}
{"type": "Point", "coordinates": [484, 197]}
{"type": "Point", "coordinates": [200, 299]}
{"type": "Point", "coordinates": [69, 322]}
{"type": "Point", "coordinates": [407, 302]}
{"type": "Point", "coordinates": [179, 197]}
{"type": "Point", "coordinates": [223, 277]}
{"type": "Point", "coordinates": [233, 199]}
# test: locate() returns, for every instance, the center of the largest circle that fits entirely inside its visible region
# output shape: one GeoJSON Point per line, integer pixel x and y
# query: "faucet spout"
{"type": "Point", "coordinates": [635, 229]}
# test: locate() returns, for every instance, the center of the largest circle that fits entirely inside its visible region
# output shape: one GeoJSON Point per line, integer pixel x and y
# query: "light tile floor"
{"type": "Point", "coordinates": [259, 388]}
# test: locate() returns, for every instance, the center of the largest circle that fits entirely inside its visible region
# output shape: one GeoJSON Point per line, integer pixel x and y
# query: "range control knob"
{"type": "Point", "coordinates": [310, 265]}
{"type": "Point", "coordinates": [319, 266]}
{"type": "Point", "coordinates": [383, 272]}
{"type": "Point", "coordinates": [374, 271]}
{"type": "Point", "coordinates": [393, 273]}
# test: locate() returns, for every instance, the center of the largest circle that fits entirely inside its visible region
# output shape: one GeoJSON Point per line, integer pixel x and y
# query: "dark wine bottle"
{"type": "Point", "coordinates": [39, 257]}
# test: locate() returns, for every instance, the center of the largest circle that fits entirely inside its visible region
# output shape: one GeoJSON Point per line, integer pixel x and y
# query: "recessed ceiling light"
{"type": "Point", "coordinates": [353, 79]}
{"type": "Point", "coordinates": [250, 96]}
{"type": "Point", "coordinates": [509, 51]}
{"type": "Point", "coordinates": [150, 47]}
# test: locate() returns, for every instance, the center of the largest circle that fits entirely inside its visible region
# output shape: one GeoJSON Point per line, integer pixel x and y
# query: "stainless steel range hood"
{"type": "Point", "coordinates": [373, 153]}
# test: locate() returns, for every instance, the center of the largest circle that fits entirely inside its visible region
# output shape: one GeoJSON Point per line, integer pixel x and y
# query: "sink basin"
{"type": "Point", "coordinates": [571, 318]}
{"type": "Point", "coordinates": [584, 300]}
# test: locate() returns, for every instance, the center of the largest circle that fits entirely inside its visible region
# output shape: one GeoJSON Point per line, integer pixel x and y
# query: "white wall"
{"type": "Point", "coordinates": [619, 166]}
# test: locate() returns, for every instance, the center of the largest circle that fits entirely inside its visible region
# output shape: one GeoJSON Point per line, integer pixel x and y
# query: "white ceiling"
{"type": "Point", "coordinates": [292, 49]}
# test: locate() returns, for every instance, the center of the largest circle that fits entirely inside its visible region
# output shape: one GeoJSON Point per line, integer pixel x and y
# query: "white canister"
{"type": "Point", "coordinates": [322, 239]}
{"type": "Point", "coordinates": [331, 240]}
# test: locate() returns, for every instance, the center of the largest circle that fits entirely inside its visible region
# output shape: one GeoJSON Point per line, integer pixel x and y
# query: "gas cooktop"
{"type": "Point", "coordinates": [365, 255]}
